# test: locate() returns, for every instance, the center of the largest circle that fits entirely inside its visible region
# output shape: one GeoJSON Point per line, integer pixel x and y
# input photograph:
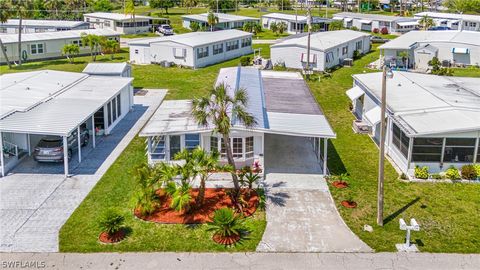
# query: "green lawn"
{"type": "Point", "coordinates": [467, 72]}
{"type": "Point", "coordinates": [447, 213]}
{"type": "Point", "coordinates": [115, 189]}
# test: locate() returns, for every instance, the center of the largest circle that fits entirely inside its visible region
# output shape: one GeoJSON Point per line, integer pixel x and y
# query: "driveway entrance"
{"type": "Point", "coordinates": [301, 214]}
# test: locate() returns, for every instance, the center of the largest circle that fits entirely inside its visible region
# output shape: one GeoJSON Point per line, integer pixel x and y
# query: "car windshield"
{"type": "Point", "coordinates": [166, 27]}
{"type": "Point", "coordinates": [50, 142]}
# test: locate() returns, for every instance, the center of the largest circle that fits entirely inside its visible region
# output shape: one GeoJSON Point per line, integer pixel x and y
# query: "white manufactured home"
{"type": "Point", "coordinates": [40, 26]}
{"type": "Point", "coordinates": [225, 21]}
{"type": "Point", "coordinates": [289, 122]}
{"type": "Point", "coordinates": [328, 49]}
{"type": "Point", "coordinates": [40, 104]}
{"type": "Point", "coordinates": [121, 23]}
{"type": "Point", "coordinates": [432, 120]}
{"type": "Point", "coordinates": [197, 49]}
{"type": "Point", "coordinates": [48, 45]}
{"type": "Point", "coordinates": [295, 23]}
{"type": "Point", "coordinates": [454, 48]}
{"type": "Point", "coordinates": [452, 20]}
{"type": "Point", "coordinates": [370, 22]}
{"type": "Point", "coordinates": [109, 69]}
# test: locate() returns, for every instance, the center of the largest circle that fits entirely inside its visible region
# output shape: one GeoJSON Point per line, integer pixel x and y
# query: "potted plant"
{"type": "Point", "coordinates": [349, 203]}
{"type": "Point", "coordinates": [112, 225]}
{"type": "Point", "coordinates": [227, 226]}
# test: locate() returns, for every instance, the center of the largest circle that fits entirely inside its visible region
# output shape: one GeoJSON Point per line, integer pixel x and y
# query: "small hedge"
{"type": "Point", "coordinates": [452, 173]}
{"type": "Point", "coordinates": [421, 172]}
{"type": "Point", "coordinates": [469, 172]}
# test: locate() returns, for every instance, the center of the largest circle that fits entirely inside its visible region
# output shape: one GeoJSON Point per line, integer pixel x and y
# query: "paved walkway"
{"type": "Point", "coordinates": [301, 214]}
{"type": "Point", "coordinates": [241, 261]}
{"type": "Point", "coordinates": [36, 200]}
{"type": "Point", "coordinates": [264, 41]}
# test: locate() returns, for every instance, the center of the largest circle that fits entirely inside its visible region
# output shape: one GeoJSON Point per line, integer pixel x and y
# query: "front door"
{"type": "Point", "coordinates": [174, 146]}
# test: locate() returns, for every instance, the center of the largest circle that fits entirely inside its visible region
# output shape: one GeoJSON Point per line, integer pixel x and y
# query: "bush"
{"type": "Point", "coordinates": [375, 30]}
{"type": "Point", "coordinates": [436, 176]}
{"type": "Point", "coordinates": [245, 61]}
{"type": "Point", "coordinates": [194, 26]}
{"type": "Point", "coordinates": [403, 176]}
{"type": "Point", "coordinates": [421, 173]}
{"type": "Point", "coordinates": [469, 172]}
{"type": "Point", "coordinates": [356, 55]}
{"type": "Point", "coordinates": [279, 66]}
{"type": "Point", "coordinates": [111, 221]}
{"type": "Point", "coordinates": [384, 31]}
{"type": "Point", "coordinates": [452, 173]}
{"type": "Point", "coordinates": [477, 169]}
{"type": "Point", "coordinates": [226, 223]}
{"type": "Point", "coordinates": [354, 28]}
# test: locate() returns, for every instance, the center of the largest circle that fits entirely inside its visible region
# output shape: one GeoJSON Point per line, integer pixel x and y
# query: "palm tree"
{"type": "Point", "coordinates": [21, 9]}
{"type": "Point", "coordinates": [146, 199]}
{"type": "Point", "coordinates": [248, 27]}
{"type": "Point", "coordinates": [54, 5]}
{"type": "Point", "coordinates": [257, 28]}
{"type": "Point", "coordinates": [281, 27]}
{"type": "Point", "coordinates": [180, 196]}
{"type": "Point", "coordinates": [93, 42]}
{"type": "Point", "coordinates": [226, 224]}
{"type": "Point", "coordinates": [189, 4]}
{"type": "Point", "coordinates": [217, 109]}
{"type": "Point", "coordinates": [110, 46]}
{"type": "Point", "coordinates": [4, 16]}
{"type": "Point", "coordinates": [426, 22]}
{"type": "Point", "coordinates": [129, 9]}
{"type": "Point", "coordinates": [70, 51]}
{"type": "Point", "coordinates": [274, 27]}
{"type": "Point", "coordinates": [212, 20]}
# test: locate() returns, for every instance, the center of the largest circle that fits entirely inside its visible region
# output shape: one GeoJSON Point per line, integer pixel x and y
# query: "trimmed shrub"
{"type": "Point", "coordinates": [194, 26]}
{"type": "Point", "coordinates": [245, 61]}
{"type": "Point", "coordinates": [111, 221]}
{"type": "Point", "coordinates": [469, 172]}
{"type": "Point", "coordinates": [354, 28]}
{"type": "Point", "coordinates": [375, 30]}
{"type": "Point", "coordinates": [477, 169]}
{"type": "Point", "coordinates": [452, 173]}
{"type": "Point", "coordinates": [421, 173]}
{"type": "Point", "coordinates": [384, 31]}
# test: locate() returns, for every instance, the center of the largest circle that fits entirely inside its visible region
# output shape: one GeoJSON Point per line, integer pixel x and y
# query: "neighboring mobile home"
{"type": "Point", "coordinates": [48, 45]}
{"type": "Point", "coordinates": [452, 20]}
{"type": "Point", "coordinates": [457, 48]}
{"type": "Point", "coordinates": [197, 49]}
{"type": "Point", "coordinates": [45, 103]}
{"type": "Point", "coordinates": [432, 120]}
{"type": "Point", "coordinates": [40, 26]}
{"type": "Point", "coordinates": [225, 21]}
{"type": "Point", "coordinates": [370, 22]}
{"type": "Point", "coordinates": [281, 103]}
{"type": "Point", "coordinates": [328, 49]}
{"type": "Point", "coordinates": [295, 23]}
{"type": "Point", "coordinates": [121, 23]}
{"type": "Point", "coordinates": [109, 69]}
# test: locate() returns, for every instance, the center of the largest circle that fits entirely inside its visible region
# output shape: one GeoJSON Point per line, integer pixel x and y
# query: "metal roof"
{"type": "Point", "coordinates": [59, 112]}
{"type": "Point", "coordinates": [293, 17]}
{"type": "Point", "coordinates": [321, 40]}
{"type": "Point", "coordinates": [175, 117]}
{"type": "Point", "coordinates": [114, 16]}
{"type": "Point", "coordinates": [44, 23]}
{"type": "Point", "coordinates": [105, 68]}
{"type": "Point", "coordinates": [355, 92]}
{"type": "Point", "coordinates": [373, 17]}
{"type": "Point", "coordinates": [427, 103]}
{"type": "Point", "coordinates": [195, 38]}
{"type": "Point", "coordinates": [449, 16]}
{"type": "Point", "coordinates": [222, 17]}
{"type": "Point", "coordinates": [13, 38]}
{"type": "Point", "coordinates": [407, 40]}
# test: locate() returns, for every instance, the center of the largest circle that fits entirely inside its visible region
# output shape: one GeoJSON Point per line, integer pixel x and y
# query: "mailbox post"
{"type": "Point", "coordinates": [407, 246]}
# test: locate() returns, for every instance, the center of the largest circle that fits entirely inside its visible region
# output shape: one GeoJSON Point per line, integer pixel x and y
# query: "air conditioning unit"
{"type": "Point", "coordinates": [361, 127]}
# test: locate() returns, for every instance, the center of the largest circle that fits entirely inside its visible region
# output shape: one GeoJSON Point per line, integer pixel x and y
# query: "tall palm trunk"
{"type": "Point", "coordinates": [20, 40]}
{"type": "Point", "coordinates": [201, 192]}
{"type": "Point", "coordinates": [5, 54]}
{"type": "Point", "coordinates": [231, 161]}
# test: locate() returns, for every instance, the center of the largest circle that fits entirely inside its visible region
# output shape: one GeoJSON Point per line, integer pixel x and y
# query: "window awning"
{"type": "Point", "coordinates": [461, 50]}
{"type": "Point", "coordinates": [337, 18]}
{"type": "Point", "coordinates": [313, 58]}
{"type": "Point", "coordinates": [373, 116]}
{"type": "Point", "coordinates": [454, 21]}
{"type": "Point", "coordinates": [348, 19]}
{"type": "Point", "coordinates": [407, 23]}
{"type": "Point", "coordinates": [355, 93]}
{"type": "Point", "coordinates": [366, 21]}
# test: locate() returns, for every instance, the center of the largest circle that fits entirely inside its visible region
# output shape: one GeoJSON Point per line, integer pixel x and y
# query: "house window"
{"type": "Point", "coordinates": [217, 48]}
{"type": "Point", "coordinates": [192, 141]}
{"type": "Point", "coordinates": [3, 30]}
{"type": "Point", "coordinates": [114, 109]}
{"type": "Point", "coordinates": [136, 51]}
{"type": "Point", "coordinates": [358, 45]}
{"type": "Point", "coordinates": [246, 42]}
{"type": "Point", "coordinates": [427, 149]}
{"type": "Point", "coordinates": [213, 144]}
{"type": "Point", "coordinates": [119, 106]}
{"type": "Point", "coordinates": [158, 147]}
{"type": "Point", "coordinates": [78, 42]}
{"type": "Point", "coordinates": [345, 50]}
{"type": "Point", "coordinates": [202, 52]}
{"type": "Point", "coordinates": [237, 147]}
{"type": "Point", "coordinates": [223, 152]}
{"type": "Point", "coordinates": [329, 57]}
{"type": "Point", "coordinates": [248, 147]}
{"type": "Point", "coordinates": [232, 45]}
{"type": "Point", "coordinates": [109, 113]}
{"type": "Point", "coordinates": [400, 140]}
{"type": "Point", "coordinates": [118, 24]}
{"type": "Point", "coordinates": [478, 154]}
{"type": "Point", "coordinates": [88, 19]}
{"type": "Point", "coordinates": [459, 150]}
{"type": "Point", "coordinates": [106, 23]}
{"type": "Point", "coordinates": [36, 48]}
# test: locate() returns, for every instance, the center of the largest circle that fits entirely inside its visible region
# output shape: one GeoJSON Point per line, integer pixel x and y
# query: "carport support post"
{"type": "Point", "coordinates": [94, 131]}
{"type": "Point", "coordinates": [325, 153]}
{"type": "Point", "coordinates": [79, 143]}
{"type": "Point", "coordinates": [65, 155]}
{"type": "Point", "coordinates": [2, 165]}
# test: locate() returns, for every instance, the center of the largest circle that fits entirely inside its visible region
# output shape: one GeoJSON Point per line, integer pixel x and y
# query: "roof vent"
{"type": "Point", "coordinates": [399, 84]}
{"type": "Point", "coordinates": [28, 88]}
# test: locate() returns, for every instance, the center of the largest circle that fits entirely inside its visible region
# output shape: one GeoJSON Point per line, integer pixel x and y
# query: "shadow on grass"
{"type": "Point", "coordinates": [335, 163]}
{"type": "Point", "coordinates": [399, 211]}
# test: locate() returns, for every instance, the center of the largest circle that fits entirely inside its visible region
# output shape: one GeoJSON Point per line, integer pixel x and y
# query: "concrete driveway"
{"type": "Point", "coordinates": [36, 200]}
{"type": "Point", "coordinates": [301, 214]}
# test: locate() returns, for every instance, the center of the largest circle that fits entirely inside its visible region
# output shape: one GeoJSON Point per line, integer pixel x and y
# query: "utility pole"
{"type": "Point", "coordinates": [309, 24]}
{"type": "Point", "coordinates": [296, 19]}
{"type": "Point", "coordinates": [217, 6]}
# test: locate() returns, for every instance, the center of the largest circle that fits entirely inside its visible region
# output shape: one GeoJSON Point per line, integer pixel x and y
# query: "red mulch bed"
{"type": "Point", "coordinates": [349, 204]}
{"type": "Point", "coordinates": [110, 239]}
{"type": "Point", "coordinates": [340, 184]}
{"type": "Point", "coordinates": [215, 198]}
{"type": "Point", "coordinates": [227, 241]}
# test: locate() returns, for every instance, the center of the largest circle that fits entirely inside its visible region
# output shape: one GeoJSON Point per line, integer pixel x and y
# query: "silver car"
{"type": "Point", "coordinates": [50, 148]}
